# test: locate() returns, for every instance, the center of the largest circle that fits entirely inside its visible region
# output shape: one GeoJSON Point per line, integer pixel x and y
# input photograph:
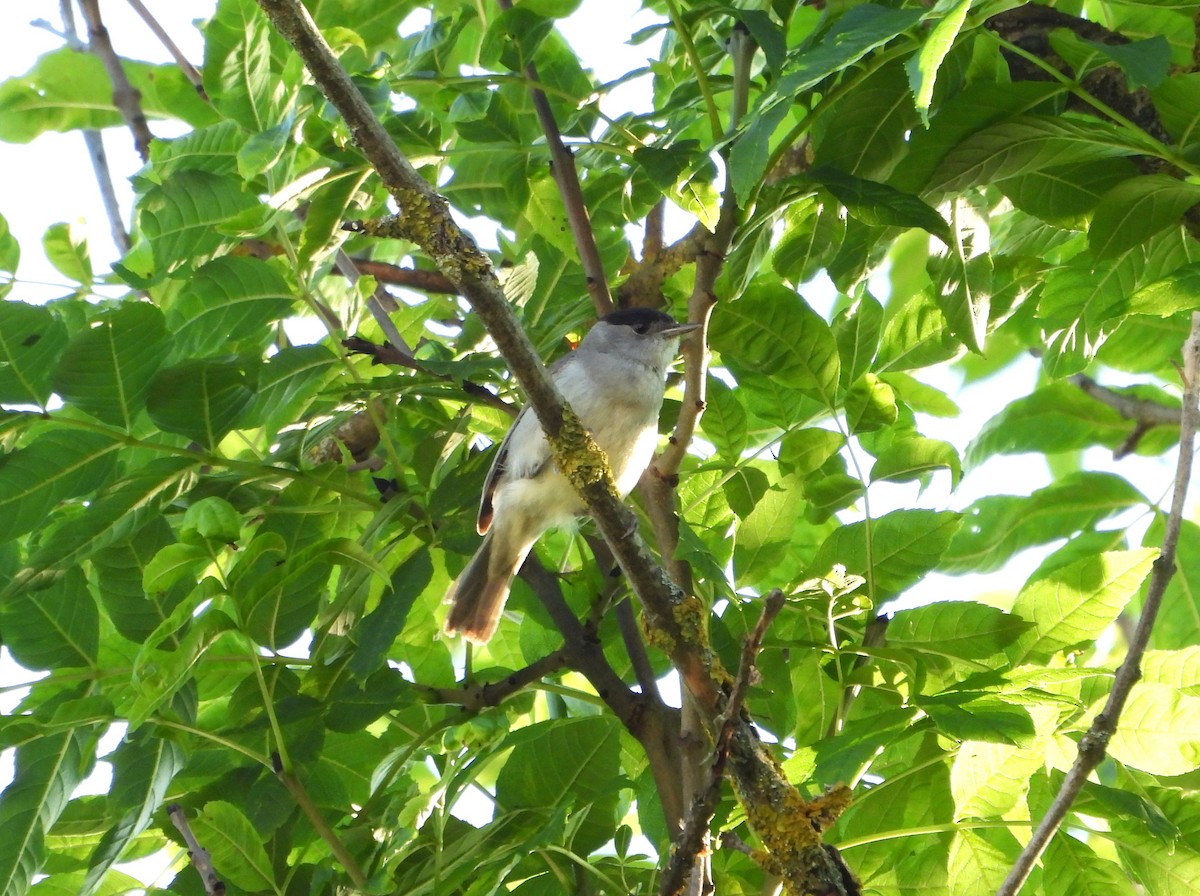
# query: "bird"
{"type": "Point", "coordinates": [614, 381]}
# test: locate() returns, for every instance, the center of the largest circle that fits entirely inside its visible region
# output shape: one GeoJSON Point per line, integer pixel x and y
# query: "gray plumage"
{"type": "Point", "coordinates": [614, 381]}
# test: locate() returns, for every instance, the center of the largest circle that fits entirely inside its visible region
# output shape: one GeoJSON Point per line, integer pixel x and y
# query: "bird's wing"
{"type": "Point", "coordinates": [533, 458]}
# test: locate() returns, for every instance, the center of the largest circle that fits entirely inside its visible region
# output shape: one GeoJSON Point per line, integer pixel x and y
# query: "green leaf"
{"type": "Point", "coordinates": [1135, 210]}
{"type": "Point", "coordinates": [68, 90]}
{"type": "Point", "coordinates": [380, 628]}
{"type": "Point", "coordinates": [815, 232]}
{"type": "Point", "coordinates": [31, 341]}
{"type": "Point", "coordinates": [964, 291]}
{"type": "Point", "coordinates": [264, 150]}
{"type": "Point", "coordinates": [1174, 293]}
{"type": "Point", "coordinates": [980, 860]}
{"type": "Point", "coordinates": [767, 35]}
{"type": "Point", "coordinates": [912, 458]}
{"type": "Point", "coordinates": [1071, 866]}
{"type": "Point", "coordinates": [47, 771]}
{"type": "Point", "coordinates": [1162, 867]}
{"type": "Point", "coordinates": [870, 405]}
{"type": "Point", "coordinates": [183, 218]}
{"type": "Point", "coordinates": [724, 422]}
{"type": "Point", "coordinates": [1024, 145]}
{"type": "Point", "coordinates": [66, 249]}
{"type": "Point", "coordinates": [10, 249]}
{"type": "Point", "coordinates": [1159, 731]}
{"type": "Point", "coordinates": [989, 780]}
{"type": "Point", "coordinates": [998, 526]}
{"type": "Point", "coordinates": [771, 331]}
{"type": "Point", "coordinates": [772, 539]}
{"type": "Point", "coordinates": [142, 771]}
{"type": "Point", "coordinates": [860, 30]}
{"type": "Point", "coordinates": [565, 764]}
{"type": "Point", "coordinates": [916, 336]}
{"type": "Point", "coordinates": [54, 624]}
{"type": "Point", "coordinates": [240, 77]}
{"type": "Point", "coordinates": [857, 331]}
{"type": "Point", "coordinates": [881, 205]}
{"type": "Point", "coordinates": [278, 592]}
{"type": "Point", "coordinates": [173, 563]}
{"type": "Point", "coordinates": [905, 544]}
{"type": "Point", "coordinates": [59, 464]}
{"type": "Point", "coordinates": [803, 451]}
{"type": "Point", "coordinates": [212, 518]}
{"type": "Point", "coordinates": [1178, 623]}
{"type": "Point", "coordinates": [229, 301]}
{"type": "Point", "coordinates": [106, 369]}
{"type": "Point", "coordinates": [1054, 418]}
{"type": "Point", "coordinates": [235, 846]}
{"type": "Point", "coordinates": [134, 610]}
{"type": "Point", "coordinates": [864, 131]}
{"type": "Point", "coordinates": [1144, 62]}
{"type": "Point", "coordinates": [202, 400]}
{"type": "Point", "coordinates": [1064, 195]}
{"type": "Point", "coordinates": [289, 381]}
{"type": "Point", "coordinates": [513, 37]}
{"type": "Point", "coordinates": [115, 514]}
{"type": "Point", "coordinates": [1073, 605]}
{"type": "Point", "coordinates": [962, 629]}
{"type": "Point", "coordinates": [752, 149]}
{"type": "Point", "coordinates": [923, 68]}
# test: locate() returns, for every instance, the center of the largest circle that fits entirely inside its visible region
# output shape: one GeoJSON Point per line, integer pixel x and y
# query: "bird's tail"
{"type": "Point", "coordinates": [477, 598]}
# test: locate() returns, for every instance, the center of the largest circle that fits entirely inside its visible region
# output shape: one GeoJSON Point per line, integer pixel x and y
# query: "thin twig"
{"type": "Point", "coordinates": [394, 275]}
{"type": "Point", "coordinates": [1144, 413]}
{"type": "Point", "coordinates": [126, 97]}
{"type": "Point", "coordinates": [562, 168]}
{"type": "Point", "coordinates": [185, 66]}
{"type": "Point", "coordinates": [691, 842]}
{"type": "Point", "coordinates": [324, 831]}
{"type": "Point", "coordinates": [474, 698]}
{"type": "Point", "coordinates": [95, 146]}
{"type": "Point", "coordinates": [376, 302]}
{"type": "Point", "coordinates": [389, 354]}
{"type": "Point", "coordinates": [1093, 746]}
{"type": "Point", "coordinates": [201, 860]}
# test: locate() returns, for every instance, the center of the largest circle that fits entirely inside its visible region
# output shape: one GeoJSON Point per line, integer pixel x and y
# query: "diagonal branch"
{"type": "Point", "coordinates": [201, 859]}
{"type": "Point", "coordinates": [695, 829]}
{"type": "Point", "coordinates": [675, 620]}
{"type": "Point", "coordinates": [562, 167]}
{"type": "Point", "coordinates": [185, 66]}
{"type": "Point", "coordinates": [1093, 746]}
{"type": "Point", "coordinates": [95, 147]}
{"type": "Point", "coordinates": [126, 97]}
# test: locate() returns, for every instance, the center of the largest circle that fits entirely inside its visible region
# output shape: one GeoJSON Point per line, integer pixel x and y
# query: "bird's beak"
{"type": "Point", "coordinates": [679, 330]}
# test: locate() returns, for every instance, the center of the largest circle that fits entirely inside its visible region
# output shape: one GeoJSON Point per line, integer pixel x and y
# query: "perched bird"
{"type": "Point", "coordinates": [614, 381]}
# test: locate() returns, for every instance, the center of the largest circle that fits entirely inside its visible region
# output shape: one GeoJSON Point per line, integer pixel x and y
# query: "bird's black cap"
{"type": "Point", "coordinates": [632, 317]}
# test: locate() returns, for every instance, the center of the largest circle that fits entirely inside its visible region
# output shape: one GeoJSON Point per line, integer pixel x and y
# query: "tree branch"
{"type": "Point", "coordinates": [126, 97]}
{"type": "Point", "coordinates": [185, 66]}
{"type": "Point", "coordinates": [691, 842]}
{"type": "Point", "coordinates": [1093, 745]}
{"type": "Point", "coordinates": [394, 275]}
{"type": "Point", "coordinates": [317, 820]}
{"type": "Point", "coordinates": [562, 168]}
{"type": "Point", "coordinates": [200, 857]}
{"type": "Point", "coordinates": [475, 698]}
{"type": "Point", "coordinates": [1144, 413]}
{"type": "Point", "coordinates": [95, 147]}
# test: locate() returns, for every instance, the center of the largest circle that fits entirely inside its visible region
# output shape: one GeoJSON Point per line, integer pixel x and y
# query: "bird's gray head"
{"type": "Point", "coordinates": [641, 335]}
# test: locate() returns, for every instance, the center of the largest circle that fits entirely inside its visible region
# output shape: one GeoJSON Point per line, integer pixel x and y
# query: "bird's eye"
{"type": "Point", "coordinates": [641, 329]}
